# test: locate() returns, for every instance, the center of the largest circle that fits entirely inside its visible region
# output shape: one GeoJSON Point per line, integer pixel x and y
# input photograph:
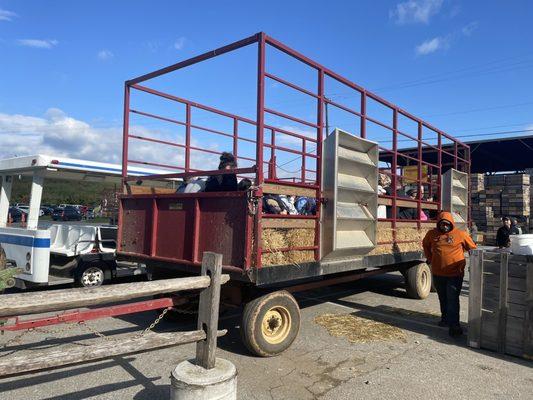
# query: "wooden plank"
{"type": "Point", "coordinates": [273, 188]}
{"type": "Point", "coordinates": [493, 256]}
{"type": "Point", "coordinates": [517, 270]}
{"type": "Point", "coordinates": [514, 296]}
{"type": "Point", "coordinates": [489, 330]}
{"type": "Point", "coordinates": [502, 312]}
{"type": "Point", "coordinates": [528, 321]}
{"type": "Point", "coordinates": [490, 304]}
{"type": "Point", "coordinates": [44, 301]}
{"type": "Point", "coordinates": [516, 310]}
{"type": "Point", "coordinates": [283, 223]}
{"type": "Point", "coordinates": [97, 351]}
{"type": "Point", "coordinates": [491, 266]}
{"type": "Point", "coordinates": [208, 311]}
{"type": "Point", "coordinates": [129, 189]}
{"type": "Point", "coordinates": [406, 203]}
{"type": "Point", "coordinates": [474, 298]}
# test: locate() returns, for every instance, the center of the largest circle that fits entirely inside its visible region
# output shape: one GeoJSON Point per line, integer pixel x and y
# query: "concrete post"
{"type": "Point", "coordinates": [192, 382]}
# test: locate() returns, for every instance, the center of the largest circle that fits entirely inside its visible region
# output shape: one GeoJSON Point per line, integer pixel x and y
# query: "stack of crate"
{"type": "Point", "coordinates": [495, 196]}
{"type": "Point", "coordinates": [478, 201]}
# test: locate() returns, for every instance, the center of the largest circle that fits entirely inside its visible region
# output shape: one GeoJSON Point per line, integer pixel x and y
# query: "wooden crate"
{"type": "Point", "coordinates": [500, 307]}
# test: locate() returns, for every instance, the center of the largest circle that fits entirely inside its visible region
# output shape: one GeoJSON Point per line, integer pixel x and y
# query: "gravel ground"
{"type": "Point", "coordinates": [427, 364]}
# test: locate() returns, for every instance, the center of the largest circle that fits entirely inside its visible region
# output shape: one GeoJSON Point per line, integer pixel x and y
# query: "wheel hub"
{"type": "Point", "coordinates": [92, 277]}
{"type": "Point", "coordinates": [276, 325]}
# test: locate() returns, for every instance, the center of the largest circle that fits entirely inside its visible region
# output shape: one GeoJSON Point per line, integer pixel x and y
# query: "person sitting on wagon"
{"type": "Point", "coordinates": [226, 182]}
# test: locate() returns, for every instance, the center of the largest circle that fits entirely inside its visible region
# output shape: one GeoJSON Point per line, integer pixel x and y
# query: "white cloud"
{"type": "Point", "coordinates": [415, 11]}
{"type": "Point", "coordinates": [38, 43]}
{"type": "Point", "coordinates": [431, 46]}
{"type": "Point", "coordinates": [58, 134]}
{"type": "Point", "coordinates": [6, 15]}
{"type": "Point", "coordinates": [179, 43]}
{"type": "Point", "coordinates": [467, 30]}
{"type": "Point", "coordinates": [105, 55]}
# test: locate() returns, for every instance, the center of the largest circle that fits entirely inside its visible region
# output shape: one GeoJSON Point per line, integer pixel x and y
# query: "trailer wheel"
{"type": "Point", "coordinates": [270, 323]}
{"type": "Point", "coordinates": [418, 281]}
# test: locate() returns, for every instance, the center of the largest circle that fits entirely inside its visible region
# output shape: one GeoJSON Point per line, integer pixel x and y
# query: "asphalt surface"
{"type": "Point", "coordinates": [427, 365]}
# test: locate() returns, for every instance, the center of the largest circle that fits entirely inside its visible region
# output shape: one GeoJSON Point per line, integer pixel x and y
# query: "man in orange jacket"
{"type": "Point", "coordinates": [444, 248]}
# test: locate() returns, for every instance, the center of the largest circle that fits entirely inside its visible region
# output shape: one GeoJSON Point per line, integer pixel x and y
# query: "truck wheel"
{"type": "Point", "coordinates": [91, 275]}
{"type": "Point", "coordinates": [270, 323]}
{"type": "Point", "coordinates": [418, 281]}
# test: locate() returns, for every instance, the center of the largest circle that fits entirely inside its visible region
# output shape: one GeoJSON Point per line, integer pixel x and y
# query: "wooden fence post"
{"type": "Point", "coordinates": [502, 304]}
{"type": "Point", "coordinates": [208, 311]}
{"type": "Point", "coordinates": [528, 322]}
{"type": "Point", "coordinates": [475, 291]}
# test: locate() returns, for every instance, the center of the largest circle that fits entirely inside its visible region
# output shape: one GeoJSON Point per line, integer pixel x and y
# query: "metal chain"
{"type": "Point", "coordinates": [95, 332]}
{"type": "Point", "coordinates": [17, 338]}
{"type": "Point", "coordinates": [153, 324]}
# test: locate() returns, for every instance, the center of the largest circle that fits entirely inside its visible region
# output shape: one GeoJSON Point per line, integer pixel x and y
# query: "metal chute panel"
{"type": "Point", "coordinates": [350, 187]}
{"type": "Point", "coordinates": [455, 196]}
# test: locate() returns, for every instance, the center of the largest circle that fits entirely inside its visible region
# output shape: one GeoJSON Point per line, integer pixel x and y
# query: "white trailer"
{"type": "Point", "coordinates": [30, 247]}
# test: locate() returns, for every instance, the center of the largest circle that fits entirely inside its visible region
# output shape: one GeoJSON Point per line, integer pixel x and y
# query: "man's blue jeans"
{"type": "Point", "coordinates": [449, 289]}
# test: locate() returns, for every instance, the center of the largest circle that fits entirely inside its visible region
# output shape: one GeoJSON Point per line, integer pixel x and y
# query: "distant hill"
{"type": "Point", "coordinates": [57, 191]}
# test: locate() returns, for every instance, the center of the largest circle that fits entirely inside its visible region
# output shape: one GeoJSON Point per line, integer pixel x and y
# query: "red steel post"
{"type": "Point", "coordinates": [235, 137]}
{"type": "Point", "coordinates": [394, 167]}
{"type": "Point", "coordinates": [320, 135]}
{"type": "Point", "coordinates": [419, 185]}
{"type": "Point", "coordinates": [261, 44]}
{"type": "Point", "coordinates": [363, 114]}
{"type": "Point", "coordinates": [125, 138]}
{"type": "Point", "coordinates": [187, 137]}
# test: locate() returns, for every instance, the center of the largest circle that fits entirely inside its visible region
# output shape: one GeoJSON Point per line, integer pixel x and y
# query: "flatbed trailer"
{"type": "Point", "coordinates": [356, 231]}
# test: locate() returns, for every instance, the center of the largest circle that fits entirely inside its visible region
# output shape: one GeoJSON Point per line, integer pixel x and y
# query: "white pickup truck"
{"type": "Point", "coordinates": [61, 253]}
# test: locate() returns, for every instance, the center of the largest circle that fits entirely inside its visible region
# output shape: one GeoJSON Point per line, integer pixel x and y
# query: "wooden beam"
{"type": "Point", "coordinates": [55, 300]}
{"type": "Point", "coordinates": [129, 189]}
{"type": "Point", "coordinates": [502, 309]}
{"type": "Point", "coordinates": [475, 291]}
{"type": "Point", "coordinates": [528, 320]}
{"type": "Point", "coordinates": [406, 203]}
{"type": "Point", "coordinates": [208, 310]}
{"type": "Point", "coordinates": [287, 223]}
{"type": "Point", "coordinates": [110, 348]}
{"type": "Point", "coordinates": [272, 188]}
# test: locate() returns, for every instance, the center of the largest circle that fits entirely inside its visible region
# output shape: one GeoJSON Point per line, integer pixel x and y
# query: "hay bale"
{"type": "Point", "coordinates": [273, 239]}
{"type": "Point", "coordinates": [412, 234]}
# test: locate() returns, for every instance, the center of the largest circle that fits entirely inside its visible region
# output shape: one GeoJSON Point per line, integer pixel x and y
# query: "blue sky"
{"type": "Point", "coordinates": [464, 66]}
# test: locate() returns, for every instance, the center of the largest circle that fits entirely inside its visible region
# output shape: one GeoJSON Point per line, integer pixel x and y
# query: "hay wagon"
{"type": "Point", "coordinates": [360, 227]}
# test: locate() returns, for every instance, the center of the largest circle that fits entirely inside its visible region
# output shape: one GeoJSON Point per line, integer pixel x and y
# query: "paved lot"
{"type": "Point", "coordinates": [427, 365]}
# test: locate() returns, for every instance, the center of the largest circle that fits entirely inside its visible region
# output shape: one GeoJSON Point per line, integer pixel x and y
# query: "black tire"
{"type": "Point", "coordinates": [92, 275]}
{"type": "Point", "coordinates": [418, 281]}
{"type": "Point", "coordinates": [270, 323]}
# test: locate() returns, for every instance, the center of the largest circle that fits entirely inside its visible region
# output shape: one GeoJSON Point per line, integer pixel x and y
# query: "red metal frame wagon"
{"type": "Point", "coordinates": [344, 240]}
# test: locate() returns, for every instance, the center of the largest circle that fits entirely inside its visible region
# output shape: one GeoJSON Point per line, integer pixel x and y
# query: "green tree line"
{"type": "Point", "coordinates": [57, 191]}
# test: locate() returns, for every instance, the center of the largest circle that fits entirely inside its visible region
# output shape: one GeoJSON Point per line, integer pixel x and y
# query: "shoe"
{"type": "Point", "coordinates": [442, 323]}
{"type": "Point", "coordinates": [455, 331]}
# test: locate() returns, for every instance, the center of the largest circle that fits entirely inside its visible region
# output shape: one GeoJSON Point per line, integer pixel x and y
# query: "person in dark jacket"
{"type": "Point", "coordinates": [515, 229]}
{"type": "Point", "coordinates": [502, 236]}
{"type": "Point", "coordinates": [225, 182]}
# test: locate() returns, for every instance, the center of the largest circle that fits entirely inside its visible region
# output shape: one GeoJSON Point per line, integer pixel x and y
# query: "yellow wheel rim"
{"type": "Point", "coordinates": [276, 325]}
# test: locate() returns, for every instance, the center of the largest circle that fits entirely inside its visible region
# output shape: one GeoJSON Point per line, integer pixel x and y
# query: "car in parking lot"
{"type": "Point", "coordinates": [26, 209]}
{"type": "Point", "coordinates": [69, 213]}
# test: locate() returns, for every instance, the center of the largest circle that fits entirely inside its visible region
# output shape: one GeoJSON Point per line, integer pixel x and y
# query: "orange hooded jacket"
{"type": "Point", "coordinates": [445, 251]}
